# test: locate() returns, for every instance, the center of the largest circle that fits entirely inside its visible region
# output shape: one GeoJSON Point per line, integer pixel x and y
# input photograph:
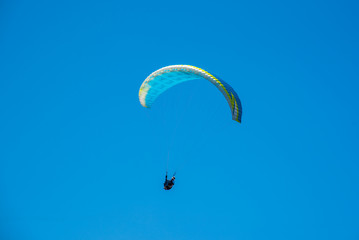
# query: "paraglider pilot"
{"type": "Point", "coordinates": [169, 183]}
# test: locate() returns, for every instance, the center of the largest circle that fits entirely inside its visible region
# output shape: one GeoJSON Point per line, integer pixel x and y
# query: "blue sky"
{"type": "Point", "coordinates": [80, 158]}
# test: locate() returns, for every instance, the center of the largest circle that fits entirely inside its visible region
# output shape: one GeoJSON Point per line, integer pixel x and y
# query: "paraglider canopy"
{"type": "Point", "coordinates": [167, 77]}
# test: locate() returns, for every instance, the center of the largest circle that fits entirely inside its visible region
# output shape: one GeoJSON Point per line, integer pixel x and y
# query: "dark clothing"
{"type": "Point", "coordinates": [169, 183]}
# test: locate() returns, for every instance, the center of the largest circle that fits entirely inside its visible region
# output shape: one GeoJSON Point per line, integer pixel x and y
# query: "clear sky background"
{"type": "Point", "coordinates": [80, 158]}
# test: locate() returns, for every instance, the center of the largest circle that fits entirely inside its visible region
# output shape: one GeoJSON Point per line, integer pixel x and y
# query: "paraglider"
{"type": "Point", "coordinates": [168, 184]}
{"type": "Point", "coordinates": [165, 78]}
